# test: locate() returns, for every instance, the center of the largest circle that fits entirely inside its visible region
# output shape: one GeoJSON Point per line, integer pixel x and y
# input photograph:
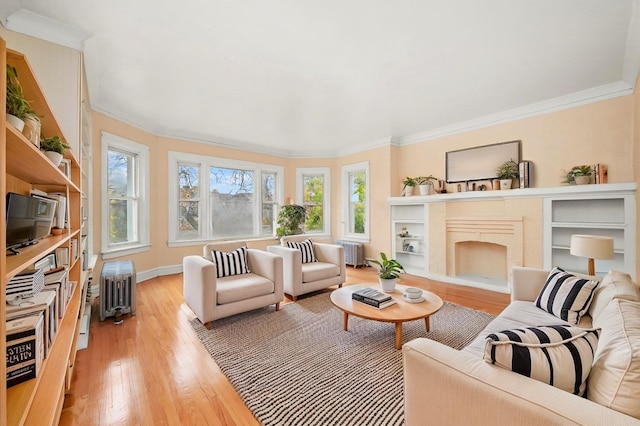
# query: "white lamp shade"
{"type": "Point", "coordinates": [592, 246]}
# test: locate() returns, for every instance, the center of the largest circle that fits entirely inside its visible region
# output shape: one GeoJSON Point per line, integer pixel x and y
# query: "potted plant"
{"type": "Point", "coordinates": [409, 183]}
{"type": "Point", "coordinates": [580, 175]}
{"type": "Point", "coordinates": [506, 173]}
{"type": "Point", "coordinates": [54, 148]}
{"type": "Point", "coordinates": [389, 271]}
{"type": "Point", "coordinates": [425, 183]}
{"type": "Point", "coordinates": [18, 108]}
{"type": "Point", "coordinates": [291, 219]}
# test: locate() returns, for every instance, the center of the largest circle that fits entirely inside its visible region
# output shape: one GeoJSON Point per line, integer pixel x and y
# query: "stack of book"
{"type": "Point", "coordinates": [26, 284]}
{"type": "Point", "coordinates": [373, 298]}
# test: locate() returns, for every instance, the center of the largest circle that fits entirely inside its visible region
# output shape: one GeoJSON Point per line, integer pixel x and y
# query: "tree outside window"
{"type": "Point", "coordinates": [358, 183]}
{"type": "Point", "coordinates": [313, 197]}
{"type": "Point", "coordinates": [122, 197]}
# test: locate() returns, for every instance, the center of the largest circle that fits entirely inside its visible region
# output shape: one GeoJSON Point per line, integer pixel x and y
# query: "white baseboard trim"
{"type": "Point", "coordinates": [143, 276]}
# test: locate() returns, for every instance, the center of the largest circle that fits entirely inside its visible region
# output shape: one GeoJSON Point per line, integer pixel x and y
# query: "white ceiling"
{"type": "Point", "coordinates": [323, 78]}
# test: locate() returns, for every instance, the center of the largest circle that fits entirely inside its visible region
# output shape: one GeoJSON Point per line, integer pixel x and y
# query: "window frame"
{"type": "Point", "coordinates": [205, 163]}
{"type": "Point", "coordinates": [347, 171]}
{"type": "Point", "coordinates": [325, 172]}
{"type": "Point", "coordinates": [141, 153]}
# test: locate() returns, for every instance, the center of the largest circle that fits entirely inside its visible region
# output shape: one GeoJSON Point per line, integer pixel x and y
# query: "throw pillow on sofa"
{"type": "Point", "coordinates": [230, 263]}
{"type": "Point", "coordinates": [306, 248]}
{"type": "Point", "coordinates": [614, 285]}
{"type": "Point", "coordinates": [558, 355]}
{"type": "Point", "coordinates": [566, 296]}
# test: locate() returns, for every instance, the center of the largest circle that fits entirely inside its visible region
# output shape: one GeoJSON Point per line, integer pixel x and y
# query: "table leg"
{"type": "Point", "coordinates": [398, 335]}
{"type": "Point", "coordinates": [426, 321]}
{"type": "Point", "coordinates": [346, 321]}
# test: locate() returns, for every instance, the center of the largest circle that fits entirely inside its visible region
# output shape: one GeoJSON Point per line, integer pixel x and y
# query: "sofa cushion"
{"type": "Point", "coordinates": [615, 377]}
{"type": "Point", "coordinates": [558, 355]}
{"type": "Point", "coordinates": [230, 263]}
{"type": "Point", "coordinates": [306, 248]}
{"type": "Point", "coordinates": [566, 295]}
{"type": "Point", "coordinates": [316, 271]}
{"type": "Point", "coordinates": [242, 287]}
{"type": "Point", "coordinates": [615, 285]}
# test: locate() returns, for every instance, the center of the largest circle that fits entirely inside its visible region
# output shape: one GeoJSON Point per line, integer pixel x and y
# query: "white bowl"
{"type": "Point", "coordinates": [413, 293]}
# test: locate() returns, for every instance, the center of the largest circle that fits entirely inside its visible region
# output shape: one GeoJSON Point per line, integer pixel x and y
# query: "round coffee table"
{"type": "Point", "coordinates": [401, 312]}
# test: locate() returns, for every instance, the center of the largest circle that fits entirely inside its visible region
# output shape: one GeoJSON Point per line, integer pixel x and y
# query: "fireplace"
{"type": "Point", "coordinates": [483, 249]}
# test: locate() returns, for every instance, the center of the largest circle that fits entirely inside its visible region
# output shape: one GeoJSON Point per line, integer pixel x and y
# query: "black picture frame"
{"type": "Point", "coordinates": [480, 162]}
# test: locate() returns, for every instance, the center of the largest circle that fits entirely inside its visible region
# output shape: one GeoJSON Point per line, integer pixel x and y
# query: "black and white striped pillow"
{"type": "Point", "coordinates": [566, 296]}
{"type": "Point", "coordinates": [306, 248]}
{"type": "Point", "coordinates": [231, 263]}
{"type": "Point", "coordinates": [559, 355]}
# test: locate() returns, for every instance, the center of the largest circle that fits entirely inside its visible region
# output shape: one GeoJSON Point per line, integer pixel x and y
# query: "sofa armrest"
{"type": "Point", "coordinates": [199, 286]}
{"type": "Point", "coordinates": [526, 283]}
{"type": "Point", "coordinates": [447, 386]}
{"type": "Point", "coordinates": [329, 253]}
{"type": "Point", "coordinates": [265, 264]}
{"type": "Point", "coordinates": [291, 267]}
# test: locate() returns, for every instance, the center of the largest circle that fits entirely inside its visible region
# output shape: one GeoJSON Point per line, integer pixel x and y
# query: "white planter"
{"type": "Point", "coordinates": [582, 180]}
{"type": "Point", "coordinates": [408, 191]}
{"type": "Point", "coordinates": [32, 130]}
{"type": "Point", "coordinates": [425, 189]}
{"type": "Point", "coordinates": [388, 285]}
{"type": "Point", "coordinates": [15, 122]}
{"type": "Point", "coordinates": [55, 157]}
{"type": "Point", "coordinates": [505, 183]}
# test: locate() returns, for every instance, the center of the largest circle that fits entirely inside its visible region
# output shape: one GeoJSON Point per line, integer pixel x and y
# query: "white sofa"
{"type": "Point", "coordinates": [301, 278]}
{"type": "Point", "coordinates": [212, 298]}
{"type": "Point", "coordinates": [446, 386]}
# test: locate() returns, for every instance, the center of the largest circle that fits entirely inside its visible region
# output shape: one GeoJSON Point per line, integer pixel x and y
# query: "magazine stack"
{"type": "Point", "coordinates": [372, 297]}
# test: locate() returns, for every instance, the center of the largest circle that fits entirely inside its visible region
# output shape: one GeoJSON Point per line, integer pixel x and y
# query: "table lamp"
{"type": "Point", "coordinates": [592, 247]}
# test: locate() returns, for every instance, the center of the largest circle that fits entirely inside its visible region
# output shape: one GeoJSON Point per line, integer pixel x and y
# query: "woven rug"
{"type": "Point", "coordinates": [299, 367]}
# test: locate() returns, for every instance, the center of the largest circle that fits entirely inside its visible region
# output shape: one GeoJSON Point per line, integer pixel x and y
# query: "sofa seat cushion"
{"type": "Point", "coordinates": [516, 315]}
{"type": "Point", "coordinates": [242, 287]}
{"type": "Point", "coordinates": [615, 285]}
{"type": "Point", "coordinates": [317, 271]}
{"type": "Point", "coordinates": [615, 377]}
{"type": "Point", "coordinates": [566, 295]}
{"type": "Point", "coordinates": [560, 355]}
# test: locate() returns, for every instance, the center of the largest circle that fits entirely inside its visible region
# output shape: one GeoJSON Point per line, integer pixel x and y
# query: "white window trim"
{"type": "Point", "coordinates": [326, 194]}
{"type": "Point", "coordinates": [143, 244]}
{"type": "Point", "coordinates": [176, 157]}
{"type": "Point", "coordinates": [346, 202]}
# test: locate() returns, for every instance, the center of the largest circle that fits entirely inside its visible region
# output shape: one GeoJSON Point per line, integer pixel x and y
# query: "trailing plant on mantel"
{"type": "Point", "coordinates": [507, 170]}
{"type": "Point", "coordinates": [584, 170]}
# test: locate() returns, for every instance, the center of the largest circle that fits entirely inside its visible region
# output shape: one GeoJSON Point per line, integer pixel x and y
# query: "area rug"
{"type": "Point", "coordinates": [299, 367]}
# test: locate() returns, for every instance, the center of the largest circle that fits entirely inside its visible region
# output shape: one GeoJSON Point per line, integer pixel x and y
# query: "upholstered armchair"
{"type": "Point", "coordinates": [212, 296]}
{"type": "Point", "coordinates": [302, 276]}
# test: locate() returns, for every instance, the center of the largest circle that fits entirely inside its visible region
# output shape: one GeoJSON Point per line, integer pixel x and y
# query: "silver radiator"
{"type": "Point", "coordinates": [353, 253]}
{"type": "Point", "coordinates": [117, 288]}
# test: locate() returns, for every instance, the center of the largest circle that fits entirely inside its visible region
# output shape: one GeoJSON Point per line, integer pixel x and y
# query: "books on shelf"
{"type": "Point", "coordinates": [600, 173]}
{"type": "Point", "coordinates": [372, 297]}
{"type": "Point", "coordinates": [25, 348]}
{"type": "Point", "coordinates": [26, 284]}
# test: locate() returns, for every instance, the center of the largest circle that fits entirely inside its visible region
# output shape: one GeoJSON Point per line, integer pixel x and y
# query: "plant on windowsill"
{"type": "Point", "coordinates": [506, 173]}
{"type": "Point", "coordinates": [389, 271]}
{"type": "Point", "coordinates": [580, 175]}
{"type": "Point", "coordinates": [54, 148]}
{"type": "Point", "coordinates": [425, 184]}
{"type": "Point", "coordinates": [409, 183]}
{"type": "Point", "coordinates": [291, 219]}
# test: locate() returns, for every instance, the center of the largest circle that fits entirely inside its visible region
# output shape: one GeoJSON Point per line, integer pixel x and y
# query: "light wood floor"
{"type": "Point", "coordinates": [152, 369]}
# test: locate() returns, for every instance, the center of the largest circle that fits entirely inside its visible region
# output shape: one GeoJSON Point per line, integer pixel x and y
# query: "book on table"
{"type": "Point", "coordinates": [373, 298]}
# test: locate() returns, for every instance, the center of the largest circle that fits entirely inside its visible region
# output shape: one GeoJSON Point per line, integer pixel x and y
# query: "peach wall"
{"type": "Point", "coordinates": [635, 123]}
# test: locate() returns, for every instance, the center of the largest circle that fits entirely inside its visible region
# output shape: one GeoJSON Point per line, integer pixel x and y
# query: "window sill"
{"type": "Point", "coordinates": [125, 251]}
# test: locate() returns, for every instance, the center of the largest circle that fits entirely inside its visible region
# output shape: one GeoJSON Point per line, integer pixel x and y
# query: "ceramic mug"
{"type": "Point", "coordinates": [413, 293]}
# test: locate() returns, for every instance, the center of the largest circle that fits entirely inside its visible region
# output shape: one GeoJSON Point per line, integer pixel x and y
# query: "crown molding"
{"type": "Point", "coordinates": [38, 26]}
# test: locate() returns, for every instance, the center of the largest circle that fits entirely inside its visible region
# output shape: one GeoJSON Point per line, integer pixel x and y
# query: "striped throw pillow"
{"type": "Point", "coordinates": [306, 248]}
{"type": "Point", "coordinates": [566, 296]}
{"type": "Point", "coordinates": [559, 355]}
{"type": "Point", "coordinates": [231, 263]}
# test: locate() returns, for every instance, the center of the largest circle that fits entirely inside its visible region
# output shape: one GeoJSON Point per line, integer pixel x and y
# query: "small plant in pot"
{"type": "Point", "coordinates": [425, 183]}
{"type": "Point", "coordinates": [18, 108]}
{"type": "Point", "coordinates": [291, 220]}
{"type": "Point", "coordinates": [580, 175]}
{"type": "Point", "coordinates": [54, 148]}
{"type": "Point", "coordinates": [409, 183]}
{"type": "Point", "coordinates": [389, 271]}
{"type": "Point", "coordinates": [506, 173]}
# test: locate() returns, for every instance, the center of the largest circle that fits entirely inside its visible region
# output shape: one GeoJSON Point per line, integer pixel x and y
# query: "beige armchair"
{"type": "Point", "coordinates": [301, 278]}
{"type": "Point", "coordinates": [212, 298]}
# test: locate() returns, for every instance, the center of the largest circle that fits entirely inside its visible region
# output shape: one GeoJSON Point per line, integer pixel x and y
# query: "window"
{"type": "Point", "coordinates": [313, 192]}
{"type": "Point", "coordinates": [215, 198]}
{"type": "Point", "coordinates": [355, 195]}
{"type": "Point", "coordinates": [125, 207]}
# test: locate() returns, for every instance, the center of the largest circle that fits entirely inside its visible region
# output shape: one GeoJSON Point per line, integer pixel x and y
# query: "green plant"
{"type": "Point", "coordinates": [388, 268]}
{"type": "Point", "coordinates": [584, 170]}
{"type": "Point", "coordinates": [408, 181]}
{"type": "Point", "coordinates": [507, 170]}
{"type": "Point", "coordinates": [425, 180]}
{"type": "Point", "coordinates": [291, 219]}
{"type": "Point", "coordinates": [54, 143]}
{"type": "Point", "coordinates": [16, 103]}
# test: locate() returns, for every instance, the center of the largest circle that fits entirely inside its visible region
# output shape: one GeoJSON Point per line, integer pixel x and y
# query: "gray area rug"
{"type": "Point", "coordinates": [299, 367]}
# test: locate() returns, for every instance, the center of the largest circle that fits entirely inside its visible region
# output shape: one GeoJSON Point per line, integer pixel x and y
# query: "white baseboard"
{"type": "Point", "coordinates": [143, 276]}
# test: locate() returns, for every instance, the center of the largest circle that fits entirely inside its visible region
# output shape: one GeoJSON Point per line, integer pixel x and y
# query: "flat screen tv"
{"type": "Point", "coordinates": [28, 220]}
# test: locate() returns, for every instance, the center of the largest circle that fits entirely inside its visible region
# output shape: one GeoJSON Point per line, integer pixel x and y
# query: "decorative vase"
{"type": "Point", "coordinates": [388, 284]}
{"type": "Point", "coordinates": [408, 191]}
{"type": "Point", "coordinates": [582, 180]}
{"type": "Point", "coordinates": [505, 183]}
{"type": "Point", "coordinates": [54, 157]}
{"type": "Point", "coordinates": [425, 189]}
{"type": "Point", "coordinates": [32, 130]}
{"type": "Point", "coordinates": [15, 122]}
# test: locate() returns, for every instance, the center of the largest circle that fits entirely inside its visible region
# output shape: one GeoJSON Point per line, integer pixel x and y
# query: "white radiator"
{"type": "Point", "coordinates": [353, 253]}
{"type": "Point", "coordinates": [117, 288]}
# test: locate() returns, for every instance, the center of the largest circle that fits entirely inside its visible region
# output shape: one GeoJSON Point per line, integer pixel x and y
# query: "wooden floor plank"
{"type": "Point", "coordinates": [152, 369]}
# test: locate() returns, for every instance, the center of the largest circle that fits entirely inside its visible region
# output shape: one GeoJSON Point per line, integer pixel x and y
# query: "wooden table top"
{"type": "Point", "coordinates": [400, 312]}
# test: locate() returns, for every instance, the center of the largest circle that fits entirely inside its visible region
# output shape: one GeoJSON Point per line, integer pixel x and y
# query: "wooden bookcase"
{"type": "Point", "coordinates": [38, 401]}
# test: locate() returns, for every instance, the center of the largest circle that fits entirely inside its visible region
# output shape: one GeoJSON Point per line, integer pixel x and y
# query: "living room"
{"type": "Point", "coordinates": [594, 126]}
